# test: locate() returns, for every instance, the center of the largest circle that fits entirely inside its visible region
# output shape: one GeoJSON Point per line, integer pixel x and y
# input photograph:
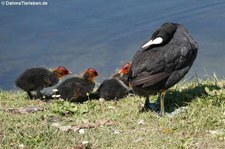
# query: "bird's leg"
{"type": "Point", "coordinates": [30, 95]}
{"type": "Point", "coordinates": [149, 106]}
{"type": "Point", "coordinates": [162, 108]}
{"type": "Point", "coordinates": [157, 102]}
{"type": "Point", "coordinates": [39, 94]}
{"type": "Point", "coordinates": [146, 105]}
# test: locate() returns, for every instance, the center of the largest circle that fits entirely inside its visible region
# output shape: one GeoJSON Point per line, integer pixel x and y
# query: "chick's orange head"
{"type": "Point", "coordinates": [125, 69]}
{"type": "Point", "coordinates": [61, 71]}
{"type": "Point", "coordinates": [90, 74]}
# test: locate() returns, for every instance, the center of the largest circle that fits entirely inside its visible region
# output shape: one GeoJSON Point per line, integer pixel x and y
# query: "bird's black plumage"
{"type": "Point", "coordinates": [116, 87]}
{"type": "Point", "coordinates": [76, 89]}
{"type": "Point", "coordinates": [158, 67]}
{"type": "Point", "coordinates": [111, 89]}
{"type": "Point", "coordinates": [35, 79]}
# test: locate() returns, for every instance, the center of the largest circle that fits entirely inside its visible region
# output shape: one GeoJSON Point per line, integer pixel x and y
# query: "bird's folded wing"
{"type": "Point", "coordinates": [147, 79]}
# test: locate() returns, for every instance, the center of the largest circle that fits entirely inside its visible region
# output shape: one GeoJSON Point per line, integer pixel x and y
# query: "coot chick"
{"type": "Point", "coordinates": [75, 89]}
{"type": "Point", "coordinates": [35, 79]}
{"type": "Point", "coordinates": [116, 87]}
{"type": "Point", "coordinates": [162, 62]}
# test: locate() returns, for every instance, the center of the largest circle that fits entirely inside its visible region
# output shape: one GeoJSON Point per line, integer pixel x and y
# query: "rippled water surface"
{"type": "Point", "coordinates": [103, 34]}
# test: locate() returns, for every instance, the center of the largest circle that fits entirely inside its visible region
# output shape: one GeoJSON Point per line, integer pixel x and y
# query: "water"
{"type": "Point", "coordinates": [103, 34]}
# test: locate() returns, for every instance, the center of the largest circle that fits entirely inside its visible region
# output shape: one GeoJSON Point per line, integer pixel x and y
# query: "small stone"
{"type": "Point", "coordinates": [21, 146]}
{"type": "Point", "coordinates": [81, 131]}
{"type": "Point", "coordinates": [101, 99]}
{"type": "Point", "coordinates": [85, 142]}
{"type": "Point", "coordinates": [141, 122]}
{"type": "Point", "coordinates": [116, 132]}
{"type": "Point", "coordinates": [65, 128]}
{"type": "Point", "coordinates": [55, 124]}
{"type": "Point", "coordinates": [111, 107]}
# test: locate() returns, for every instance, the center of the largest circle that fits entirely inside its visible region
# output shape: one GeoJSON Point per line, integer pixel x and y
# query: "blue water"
{"type": "Point", "coordinates": [103, 34]}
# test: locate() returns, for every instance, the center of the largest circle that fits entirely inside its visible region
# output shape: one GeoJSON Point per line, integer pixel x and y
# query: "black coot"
{"type": "Point", "coordinates": [162, 61]}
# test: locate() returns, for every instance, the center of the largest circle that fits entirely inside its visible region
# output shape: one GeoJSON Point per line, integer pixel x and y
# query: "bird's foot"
{"type": "Point", "coordinates": [160, 113]}
{"type": "Point", "coordinates": [150, 107]}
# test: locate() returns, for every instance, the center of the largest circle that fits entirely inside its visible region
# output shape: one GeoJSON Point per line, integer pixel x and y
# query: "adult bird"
{"type": "Point", "coordinates": [77, 88]}
{"type": "Point", "coordinates": [162, 61]}
{"type": "Point", "coordinates": [116, 87]}
{"type": "Point", "coordinates": [35, 79]}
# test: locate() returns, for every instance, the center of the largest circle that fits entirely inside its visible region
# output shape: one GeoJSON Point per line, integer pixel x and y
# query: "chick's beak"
{"type": "Point", "coordinates": [120, 71]}
{"type": "Point", "coordinates": [96, 74]}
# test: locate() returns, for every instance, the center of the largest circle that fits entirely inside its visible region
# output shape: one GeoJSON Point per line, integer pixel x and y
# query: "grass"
{"type": "Point", "coordinates": [200, 125]}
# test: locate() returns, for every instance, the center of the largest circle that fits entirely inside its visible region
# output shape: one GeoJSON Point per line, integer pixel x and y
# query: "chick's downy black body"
{"type": "Point", "coordinates": [116, 87]}
{"type": "Point", "coordinates": [111, 89]}
{"type": "Point", "coordinates": [162, 61]}
{"type": "Point", "coordinates": [35, 79]}
{"type": "Point", "coordinates": [76, 89]}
